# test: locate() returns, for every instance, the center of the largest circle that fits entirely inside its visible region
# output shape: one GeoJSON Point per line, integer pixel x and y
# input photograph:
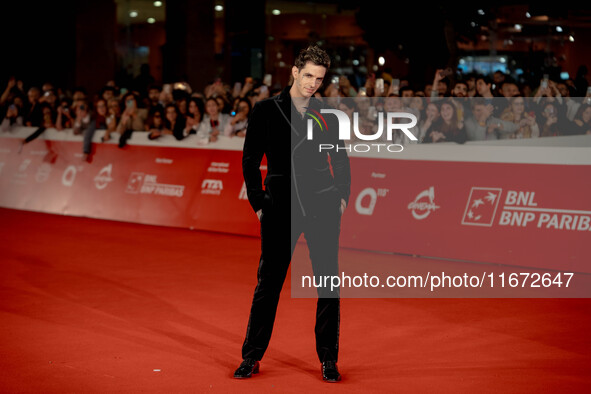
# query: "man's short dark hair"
{"type": "Point", "coordinates": [509, 81]}
{"type": "Point", "coordinates": [487, 80]}
{"type": "Point", "coordinates": [461, 82]}
{"type": "Point", "coordinates": [405, 89]}
{"type": "Point", "coordinates": [312, 54]}
{"type": "Point", "coordinates": [154, 86]}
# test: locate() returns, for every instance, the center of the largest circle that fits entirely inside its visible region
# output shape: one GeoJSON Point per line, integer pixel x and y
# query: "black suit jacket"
{"type": "Point", "coordinates": [296, 170]}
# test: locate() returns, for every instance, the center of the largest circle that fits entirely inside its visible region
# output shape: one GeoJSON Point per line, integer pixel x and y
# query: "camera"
{"type": "Point", "coordinates": [446, 73]}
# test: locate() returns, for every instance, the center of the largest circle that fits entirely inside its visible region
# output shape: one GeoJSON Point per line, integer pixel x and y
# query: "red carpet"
{"type": "Point", "coordinates": [99, 306]}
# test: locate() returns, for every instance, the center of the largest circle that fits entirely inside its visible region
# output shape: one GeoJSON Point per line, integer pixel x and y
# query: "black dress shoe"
{"type": "Point", "coordinates": [248, 367]}
{"type": "Point", "coordinates": [330, 373]}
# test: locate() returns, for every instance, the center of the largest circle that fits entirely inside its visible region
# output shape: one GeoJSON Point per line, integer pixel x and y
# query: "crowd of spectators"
{"type": "Point", "coordinates": [473, 107]}
{"type": "Point", "coordinates": [170, 109]}
{"type": "Point", "coordinates": [453, 107]}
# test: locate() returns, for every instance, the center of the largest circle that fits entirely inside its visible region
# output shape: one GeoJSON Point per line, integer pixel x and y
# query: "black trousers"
{"type": "Point", "coordinates": [280, 231]}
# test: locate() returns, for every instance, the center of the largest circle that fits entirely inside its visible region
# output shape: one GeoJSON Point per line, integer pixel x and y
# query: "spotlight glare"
{"type": "Point", "coordinates": [133, 13]}
{"type": "Point", "coordinates": [218, 8]}
{"type": "Point", "coordinates": [381, 60]}
{"type": "Point", "coordinates": [151, 20]}
{"type": "Point", "coordinates": [276, 12]}
{"type": "Point", "coordinates": [157, 4]}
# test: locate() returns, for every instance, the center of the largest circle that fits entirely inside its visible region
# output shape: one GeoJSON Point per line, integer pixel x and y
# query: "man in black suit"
{"type": "Point", "coordinates": [306, 191]}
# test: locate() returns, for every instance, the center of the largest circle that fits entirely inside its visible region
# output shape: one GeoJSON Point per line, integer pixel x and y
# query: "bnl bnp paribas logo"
{"type": "Point", "coordinates": [390, 119]}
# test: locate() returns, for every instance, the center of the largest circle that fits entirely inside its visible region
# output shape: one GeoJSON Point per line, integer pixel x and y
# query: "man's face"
{"type": "Point", "coordinates": [509, 90]}
{"type": "Point", "coordinates": [108, 95]}
{"type": "Point", "coordinates": [498, 77]}
{"type": "Point", "coordinates": [408, 93]}
{"type": "Point", "coordinates": [307, 80]}
{"type": "Point", "coordinates": [154, 95]}
{"type": "Point", "coordinates": [479, 112]}
{"type": "Point", "coordinates": [563, 89]}
{"type": "Point", "coordinates": [393, 104]}
{"type": "Point", "coordinates": [460, 90]}
{"type": "Point", "coordinates": [482, 87]}
{"type": "Point", "coordinates": [78, 96]}
{"type": "Point", "coordinates": [33, 95]}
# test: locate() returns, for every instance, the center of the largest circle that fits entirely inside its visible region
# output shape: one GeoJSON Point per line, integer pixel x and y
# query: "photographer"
{"type": "Point", "coordinates": [482, 125]}
{"type": "Point", "coordinates": [239, 122]}
{"type": "Point", "coordinates": [155, 124]}
{"type": "Point", "coordinates": [174, 122]}
{"type": "Point", "coordinates": [12, 118]}
{"type": "Point", "coordinates": [582, 120]}
{"type": "Point", "coordinates": [13, 88]}
{"type": "Point", "coordinates": [448, 128]}
{"type": "Point", "coordinates": [64, 118]}
{"type": "Point", "coordinates": [552, 119]}
{"type": "Point", "coordinates": [213, 122]}
{"type": "Point", "coordinates": [195, 116]}
{"type": "Point", "coordinates": [33, 114]}
{"type": "Point", "coordinates": [132, 119]}
{"type": "Point", "coordinates": [440, 84]}
{"type": "Point", "coordinates": [113, 118]}
{"type": "Point", "coordinates": [525, 120]}
{"type": "Point", "coordinates": [87, 123]}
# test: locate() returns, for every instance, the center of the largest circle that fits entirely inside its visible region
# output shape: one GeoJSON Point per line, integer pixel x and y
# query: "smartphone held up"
{"type": "Point", "coordinates": [379, 86]}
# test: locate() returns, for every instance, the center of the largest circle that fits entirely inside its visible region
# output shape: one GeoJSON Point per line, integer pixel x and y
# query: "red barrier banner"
{"type": "Point", "coordinates": [193, 188]}
{"type": "Point", "coordinates": [530, 215]}
{"type": "Point", "coordinates": [518, 213]}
